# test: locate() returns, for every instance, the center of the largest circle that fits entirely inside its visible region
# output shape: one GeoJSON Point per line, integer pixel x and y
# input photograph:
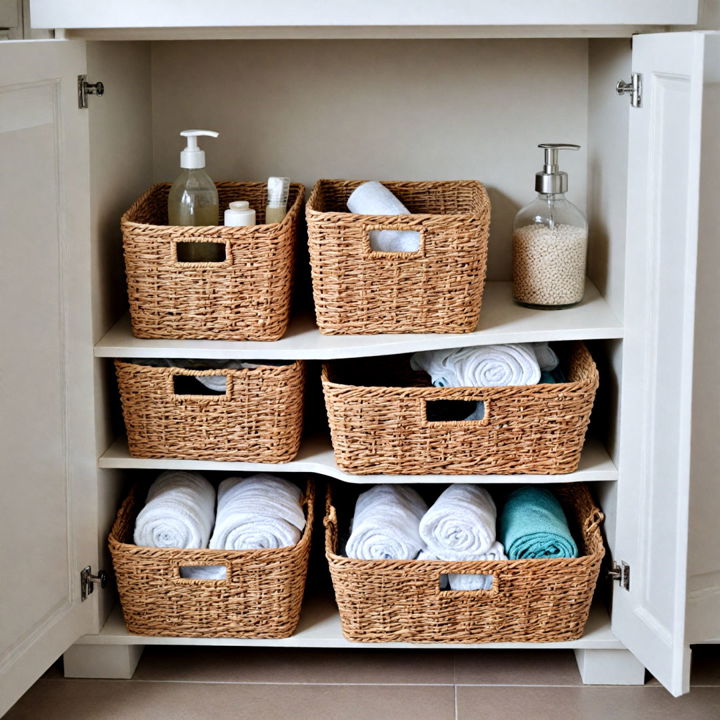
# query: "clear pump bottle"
{"type": "Point", "coordinates": [550, 242]}
{"type": "Point", "coordinates": [193, 199]}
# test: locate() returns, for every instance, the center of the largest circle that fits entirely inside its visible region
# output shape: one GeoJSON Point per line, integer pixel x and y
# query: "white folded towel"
{"type": "Point", "coordinates": [257, 512]}
{"type": "Point", "coordinates": [476, 582]}
{"type": "Point", "coordinates": [482, 366]}
{"type": "Point", "coordinates": [178, 513]}
{"type": "Point", "coordinates": [373, 198]}
{"type": "Point", "coordinates": [461, 523]}
{"type": "Point", "coordinates": [385, 525]}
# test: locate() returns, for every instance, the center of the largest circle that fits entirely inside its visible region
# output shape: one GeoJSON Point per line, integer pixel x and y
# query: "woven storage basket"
{"type": "Point", "coordinates": [537, 429]}
{"type": "Point", "coordinates": [261, 596]}
{"type": "Point", "coordinates": [245, 297]}
{"type": "Point", "coordinates": [437, 289]}
{"type": "Point", "coordinates": [530, 600]}
{"type": "Point", "coordinates": [258, 419]}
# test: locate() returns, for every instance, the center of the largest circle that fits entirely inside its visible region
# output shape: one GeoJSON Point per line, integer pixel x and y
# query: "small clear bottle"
{"type": "Point", "coordinates": [549, 242]}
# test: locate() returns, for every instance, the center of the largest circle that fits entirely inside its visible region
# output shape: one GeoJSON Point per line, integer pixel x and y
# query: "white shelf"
{"type": "Point", "coordinates": [501, 321]}
{"type": "Point", "coordinates": [320, 628]}
{"type": "Point", "coordinates": [316, 456]}
{"type": "Point", "coordinates": [370, 18]}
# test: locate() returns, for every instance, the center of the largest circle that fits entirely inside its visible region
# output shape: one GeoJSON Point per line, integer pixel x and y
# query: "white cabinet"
{"type": "Point", "coordinates": [353, 18]}
{"type": "Point", "coordinates": [418, 109]}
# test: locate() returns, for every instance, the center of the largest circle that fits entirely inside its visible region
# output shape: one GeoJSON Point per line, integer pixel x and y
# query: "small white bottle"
{"type": "Point", "coordinates": [278, 191]}
{"type": "Point", "coordinates": [239, 214]}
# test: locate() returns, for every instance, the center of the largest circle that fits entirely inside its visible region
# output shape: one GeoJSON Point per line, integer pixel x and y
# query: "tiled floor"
{"type": "Point", "coordinates": [238, 684]}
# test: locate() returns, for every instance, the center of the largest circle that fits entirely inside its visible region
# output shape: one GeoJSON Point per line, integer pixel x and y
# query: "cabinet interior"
{"type": "Point", "coordinates": [375, 109]}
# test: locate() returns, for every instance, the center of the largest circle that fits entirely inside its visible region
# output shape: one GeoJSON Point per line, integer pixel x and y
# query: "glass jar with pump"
{"type": "Point", "coordinates": [549, 242]}
{"type": "Point", "coordinates": [193, 200]}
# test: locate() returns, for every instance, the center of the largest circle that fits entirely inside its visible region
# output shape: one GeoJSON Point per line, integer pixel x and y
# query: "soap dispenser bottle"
{"type": "Point", "coordinates": [193, 198]}
{"type": "Point", "coordinates": [549, 245]}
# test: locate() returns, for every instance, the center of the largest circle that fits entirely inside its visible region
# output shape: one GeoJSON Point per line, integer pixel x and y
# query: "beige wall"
{"type": "Point", "coordinates": [455, 109]}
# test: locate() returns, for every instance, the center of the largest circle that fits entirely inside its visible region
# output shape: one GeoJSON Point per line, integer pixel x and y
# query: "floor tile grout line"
{"type": "Point", "coordinates": [141, 681]}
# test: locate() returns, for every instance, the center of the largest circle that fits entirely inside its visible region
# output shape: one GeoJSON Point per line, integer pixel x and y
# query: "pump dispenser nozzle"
{"type": "Point", "coordinates": [192, 157]}
{"type": "Point", "coordinates": [552, 180]}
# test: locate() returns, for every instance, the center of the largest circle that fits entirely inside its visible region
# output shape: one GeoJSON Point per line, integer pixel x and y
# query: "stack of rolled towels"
{"type": "Point", "coordinates": [490, 366]}
{"type": "Point", "coordinates": [392, 522]}
{"type": "Point", "coordinates": [261, 511]}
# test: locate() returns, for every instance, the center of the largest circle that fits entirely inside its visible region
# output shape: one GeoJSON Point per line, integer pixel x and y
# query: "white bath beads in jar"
{"type": "Point", "coordinates": [548, 265]}
{"type": "Point", "coordinates": [549, 241]}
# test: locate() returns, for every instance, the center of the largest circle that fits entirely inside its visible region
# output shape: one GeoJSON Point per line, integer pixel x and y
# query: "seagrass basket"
{"type": "Point", "coordinates": [244, 297]}
{"type": "Point", "coordinates": [529, 601]}
{"type": "Point", "coordinates": [378, 414]}
{"type": "Point", "coordinates": [437, 289]}
{"type": "Point", "coordinates": [260, 597]}
{"type": "Point", "coordinates": [258, 418]}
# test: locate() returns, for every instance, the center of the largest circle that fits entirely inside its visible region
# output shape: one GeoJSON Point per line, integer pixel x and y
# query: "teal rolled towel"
{"type": "Point", "coordinates": [533, 525]}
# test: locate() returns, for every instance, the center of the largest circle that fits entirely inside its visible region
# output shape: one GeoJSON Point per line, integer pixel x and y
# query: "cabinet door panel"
{"type": "Point", "coordinates": [662, 238]}
{"type": "Point", "coordinates": [47, 485]}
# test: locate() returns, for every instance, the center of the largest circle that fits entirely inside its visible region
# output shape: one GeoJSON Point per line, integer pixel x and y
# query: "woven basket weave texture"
{"type": "Point", "coordinates": [245, 297]}
{"type": "Point", "coordinates": [258, 419]}
{"type": "Point", "coordinates": [261, 597]}
{"type": "Point", "coordinates": [535, 429]}
{"type": "Point", "coordinates": [530, 600]}
{"type": "Point", "coordinates": [437, 289]}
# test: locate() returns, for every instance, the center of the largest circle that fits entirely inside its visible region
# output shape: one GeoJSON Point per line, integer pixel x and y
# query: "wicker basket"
{"type": "Point", "coordinates": [260, 598]}
{"type": "Point", "coordinates": [245, 297]}
{"type": "Point", "coordinates": [530, 600]}
{"type": "Point", "coordinates": [258, 419]}
{"type": "Point", "coordinates": [538, 429]}
{"type": "Point", "coordinates": [437, 289]}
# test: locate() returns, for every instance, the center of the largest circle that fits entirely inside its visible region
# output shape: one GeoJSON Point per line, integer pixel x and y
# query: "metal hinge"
{"type": "Point", "coordinates": [88, 581]}
{"type": "Point", "coordinates": [621, 573]}
{"type": "Point", "coordinates": [632, 88]}
{"type": "Point", "coordinates": [85, 88]}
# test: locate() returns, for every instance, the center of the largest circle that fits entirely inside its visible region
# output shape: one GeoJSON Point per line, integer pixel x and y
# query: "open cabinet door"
{"type": "Point", "coordinates": [48, 484]}
{"type": "Point", "coordinates": [662, 239]}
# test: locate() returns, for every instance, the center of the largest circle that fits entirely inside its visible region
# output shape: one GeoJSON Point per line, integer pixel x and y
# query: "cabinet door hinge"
{"type": "Point", "coordinates": [88, 581]}
{"type": "Point", "coordinates": [632, 88]}
{"type": "Point", "coordinates": [85, 88]}
{"type": "Point", "coordinates": [621, 573]}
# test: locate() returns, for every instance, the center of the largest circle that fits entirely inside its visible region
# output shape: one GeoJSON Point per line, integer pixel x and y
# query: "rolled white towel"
{"type": "Point", "coordinates": [385, 525]}
{"type": "Point", "coordinates": [483, 366]}
{"type": "Point", "coordinates": [460, 523]}
{"type": "Point", "coordinates": [476, 582]}
{"type": "Point", "coordinates": [178, 513]}
{"type": "Point", "coordinates": [546, 357]}
{"type": "Point", "coordinates": [257, 512]}
{"type": "Point", "coordinates": [373, 198]}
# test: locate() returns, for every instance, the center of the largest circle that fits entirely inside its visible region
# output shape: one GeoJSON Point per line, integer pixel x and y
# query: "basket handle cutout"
{"type": "Point", "coordinates": [184, 387]}
{"type": "Point", "coordinates": [201, 253]}
{"type": "Point", "coordinates": [190, 385]}
{"type": "Point", "coordinates": [486, 584]}
{"type": "Point", "coordinates": [452, 412]}
{"type": "Point", "coordinates": [205, 573]}
{"type": "Point", "coordinates": [393, 239]}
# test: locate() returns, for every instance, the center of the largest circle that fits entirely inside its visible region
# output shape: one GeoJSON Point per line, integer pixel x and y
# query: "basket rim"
{"type": "Point", "coordinates": [483, 200]}
{"type": "Point", "coordinates": [431, 391]}
{"type": "Point", "coordinates": [128, 224]}
{"type": "Point", "coordinates": [127, 506]}
{"type": "Point", "coordinates": [292, 366]}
